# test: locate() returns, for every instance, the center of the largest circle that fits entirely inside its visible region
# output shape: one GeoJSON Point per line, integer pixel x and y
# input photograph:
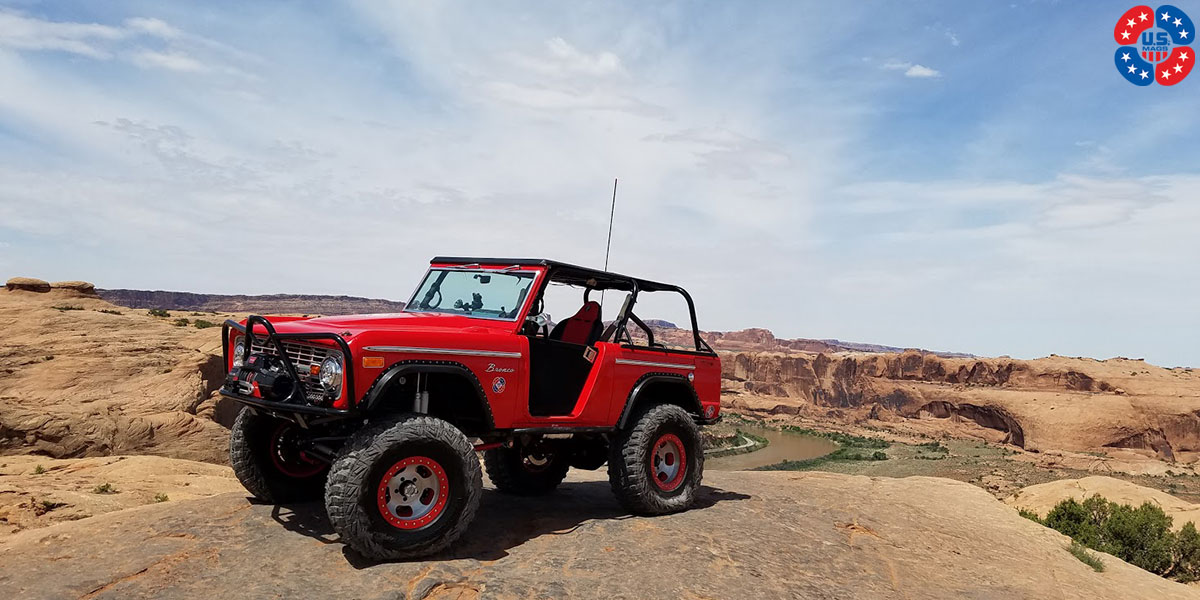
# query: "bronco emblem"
{"type": "Point", "coordinates": [498, 385]}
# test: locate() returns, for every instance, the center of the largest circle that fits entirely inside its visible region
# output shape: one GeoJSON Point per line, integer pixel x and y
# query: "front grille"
{"type": "Point", "coordinates": [303, 356]}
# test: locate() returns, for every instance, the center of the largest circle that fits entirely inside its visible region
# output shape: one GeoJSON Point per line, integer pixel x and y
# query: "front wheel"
{"type": "Point", "coordinates": [404, 488]}
{"type": "Point", "coordinates": [266, 457]}
{"type": "Point", "coordinates": [655, 466]}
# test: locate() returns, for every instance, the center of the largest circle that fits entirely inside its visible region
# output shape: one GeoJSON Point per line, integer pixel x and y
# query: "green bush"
{"type": "Point", "coordinates": [104, 488]}
{"type": "Point", "coordinates": [109, 311]}
{"type": "Point", "coordinates": [181, 322]}
{"type": "Point", "coordinates": [1140, 536]}
{"type": "Point", "coordinates": [158, 312]}
{"type": "Point", "coordinates": [66, 307]}
{"type": "Point", "coordinates": [202, 324]}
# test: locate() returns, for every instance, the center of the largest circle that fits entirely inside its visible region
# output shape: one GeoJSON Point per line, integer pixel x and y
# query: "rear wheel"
{"type": "Point", "coordinates": [656, 465]}
{"type": "Point", "coordinates": [266, 457]}
{"type": "Point", "coordinates": [525, 469]}
{"type": "Point", "coordinates": [404, 488]}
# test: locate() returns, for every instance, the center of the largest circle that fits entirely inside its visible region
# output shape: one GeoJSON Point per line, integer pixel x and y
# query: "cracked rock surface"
{"type": "Point", "coordinates": [752, 535]}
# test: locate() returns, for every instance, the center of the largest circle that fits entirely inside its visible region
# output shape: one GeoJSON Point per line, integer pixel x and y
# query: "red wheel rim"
{"type": "Point", "coordinates": [668, 462]}
{"type": "Point", "coordinates": [413, 493]}
{"type": "Point", "coordinates": [287, 459]}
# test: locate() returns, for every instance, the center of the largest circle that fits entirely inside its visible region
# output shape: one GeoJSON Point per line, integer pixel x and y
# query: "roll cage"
{"type": "Point", "coordinates": [592, 280]}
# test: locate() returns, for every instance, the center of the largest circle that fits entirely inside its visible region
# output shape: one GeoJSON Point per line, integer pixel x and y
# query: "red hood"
{"type": "Point", "coordinates": [402, 321]}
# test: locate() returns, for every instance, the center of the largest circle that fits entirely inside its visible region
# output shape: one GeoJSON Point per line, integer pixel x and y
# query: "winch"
{"type": "Point", "coordinates": [264, 376]}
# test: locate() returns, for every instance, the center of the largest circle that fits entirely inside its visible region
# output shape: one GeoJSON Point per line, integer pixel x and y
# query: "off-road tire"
{"type": "Point", "coordinates": [356, 474]}
{"type": "Point", "coordinates": [250, 455]}
{"type": "Point", "coordinates": [629, 462]}
{"type": "Point", "coordinates": [508, 472]}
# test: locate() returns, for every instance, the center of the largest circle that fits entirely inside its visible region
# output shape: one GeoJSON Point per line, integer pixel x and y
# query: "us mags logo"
{"type": "Point", "coordinates": [1155, 45]}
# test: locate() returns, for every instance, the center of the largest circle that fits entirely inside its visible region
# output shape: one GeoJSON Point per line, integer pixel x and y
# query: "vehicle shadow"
{"type": "Point", "coordinates": [503, 521]}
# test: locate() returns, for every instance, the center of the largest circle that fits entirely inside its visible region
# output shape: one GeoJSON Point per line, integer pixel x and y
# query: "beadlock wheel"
{"type": "Point", "coordinates": [412, 494]}
{"type": "Point", "coordinates": [668, 462]}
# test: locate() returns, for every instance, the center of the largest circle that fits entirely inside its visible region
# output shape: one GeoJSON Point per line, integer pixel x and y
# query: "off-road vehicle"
{"type": "Point", "coordinates": [384, 414]}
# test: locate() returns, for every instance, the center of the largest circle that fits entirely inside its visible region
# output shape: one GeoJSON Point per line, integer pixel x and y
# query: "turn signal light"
{"type": "Point", "coordinates": [314, 369]}
{"type": "Point", "coordinates": [372, 362]}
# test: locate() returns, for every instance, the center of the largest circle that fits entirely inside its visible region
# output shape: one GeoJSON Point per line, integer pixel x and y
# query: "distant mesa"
{"type": "Point", "coordinates": [272, 304]}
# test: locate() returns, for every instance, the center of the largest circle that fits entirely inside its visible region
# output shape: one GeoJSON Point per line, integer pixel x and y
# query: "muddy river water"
{"type": "Point", "coordinates": [783, 446]}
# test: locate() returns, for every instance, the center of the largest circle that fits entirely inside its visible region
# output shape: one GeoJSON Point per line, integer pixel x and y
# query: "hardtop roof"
{"type": "Point", "coordinates": [568, 272]}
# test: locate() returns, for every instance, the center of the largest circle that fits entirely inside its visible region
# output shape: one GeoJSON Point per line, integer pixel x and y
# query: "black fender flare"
{"type": "Point", "coordinates": [635, 394]}
{"type": "Point", "coordinates": [378, 390]}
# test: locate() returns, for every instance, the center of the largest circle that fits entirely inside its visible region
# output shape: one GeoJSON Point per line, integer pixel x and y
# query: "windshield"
{"type": "Point", "coordinates": [478, 293]}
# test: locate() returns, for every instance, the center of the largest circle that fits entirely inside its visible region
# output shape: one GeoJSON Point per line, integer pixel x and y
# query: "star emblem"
{"type": "Point", "coordinates": [1178, 68]}
{"type": "Point", "coordinates": [1125, 57]}
{"type": "Point", "coordinates": [1143, 16]}
{"type": "Point", "coordinates": [1166, 74]}
{"type": "Point", "coordinates": [1133, 68]}
{"type": "Point", "coordinates": [1178, 22]}
{"type": "Point", "coordinates": [1183, 34]}
{"type": "Point", "coordinates": [1131, 23]}
{"type": "Point", "coordinates": [1145, 75]}
{"type": "Point", "coordinates": [1124, 35]}
{"type": "Point", "coordinates": [1183, 56]}
{"type": "Point", "coordinates": [1166, 17]}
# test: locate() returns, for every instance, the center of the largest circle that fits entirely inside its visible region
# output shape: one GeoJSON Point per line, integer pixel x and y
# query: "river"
{"type": "Point", "coordinates": [783, 446]}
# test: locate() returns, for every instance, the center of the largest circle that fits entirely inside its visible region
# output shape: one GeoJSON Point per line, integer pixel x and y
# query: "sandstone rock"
{"type": "Point", "coordinates": [752, 535]}
{"type": "Point", "coordinates": [78, 383]}
{"type": "Point", "coordinates": [27, 284]}
{"type": "Point", "coordinates": [80, 287]}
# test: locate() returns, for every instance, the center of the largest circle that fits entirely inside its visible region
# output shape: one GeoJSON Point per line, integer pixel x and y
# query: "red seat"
{"type": "Point", "coordinates": [583, 328]}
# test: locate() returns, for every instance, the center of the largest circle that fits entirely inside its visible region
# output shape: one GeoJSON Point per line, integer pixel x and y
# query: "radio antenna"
{"type": "Point", "coordinates": [607, 247]}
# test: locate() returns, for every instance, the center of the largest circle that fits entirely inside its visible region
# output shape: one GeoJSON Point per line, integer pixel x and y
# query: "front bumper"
{"type": "Point", "coordinates": [285, 408]}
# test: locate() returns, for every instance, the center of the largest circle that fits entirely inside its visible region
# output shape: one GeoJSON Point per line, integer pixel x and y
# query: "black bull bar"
{"type": "Point", "coordinates": [297, 400]}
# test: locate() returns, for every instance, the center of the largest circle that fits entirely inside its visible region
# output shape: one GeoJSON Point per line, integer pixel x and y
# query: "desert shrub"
{"type": "Point", "coordinates": [933, 447]}
{"type": "Point", "coordinates": [1140, 536]}
{"type": "Point", "coordinates": [109, 311]}
{"type": "Point", "coordinates": [38, 470]}
{"type": "Point", "coordinates": [104, 488]}
{"type": "Point", "coordinates": [1187, 554]}
{"type": "Point", "coordinates": [66, 308]}
{"type": "Point", "coordinates": [1081, 552]}
{"type": "Point", "coordinates": [181, 322]}
{"type": "Point", "coordinates": [202, 324]}
{"type": "Point", "coordinates": [158, 312]}
{"type": "Point", "coordinates": [161, 497]}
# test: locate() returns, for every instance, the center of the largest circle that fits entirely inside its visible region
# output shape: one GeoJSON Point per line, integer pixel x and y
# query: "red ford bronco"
{"type": "Point", "coordinates": [383, 414]}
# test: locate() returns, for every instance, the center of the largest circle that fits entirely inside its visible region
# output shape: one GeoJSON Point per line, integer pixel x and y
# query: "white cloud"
{"type": "Point", "coordinates": [921, 71]}
{"type": "Point", "coordinates": [171, 61]}
{"type": "Point", "coordinates": [155, 27]}
{"type": "Point", "coordinates": [145, 42]}
{"type": "Point", "coordinates": [911, 70]}
{"type": "Point", "coordinates": [86, 39]}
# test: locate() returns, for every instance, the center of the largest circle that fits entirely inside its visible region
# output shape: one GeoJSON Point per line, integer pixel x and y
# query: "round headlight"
{"type": "Point", "coordinates": [331, 374]}
{"type": "Point", "coordinates": [239, 350]}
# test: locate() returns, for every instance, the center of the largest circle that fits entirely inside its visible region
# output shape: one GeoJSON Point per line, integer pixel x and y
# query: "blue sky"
{"type": "Point", "coordinates": [961, 176]}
